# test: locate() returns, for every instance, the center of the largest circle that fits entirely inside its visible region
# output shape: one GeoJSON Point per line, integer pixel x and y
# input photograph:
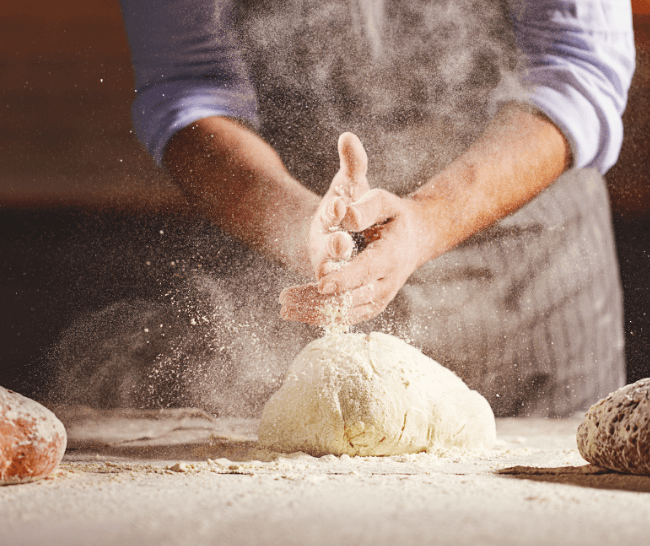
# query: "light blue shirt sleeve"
{"type": "Point", "coordinates": [187, 67]}
{"type": "Point", "coordinates": [581, 60]}
{"type": "Point", "coordinates": [580, 64]}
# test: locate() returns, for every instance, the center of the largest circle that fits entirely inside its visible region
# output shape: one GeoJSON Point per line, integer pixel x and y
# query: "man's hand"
{"type": "Point", "coordinates": [393, 229]}
{"type": "Point", "coordinates": [363, 287]}
{"type": "Point", "coordinates": [520, 153]}
{"type": "Point", "coordinates": [331, 246]}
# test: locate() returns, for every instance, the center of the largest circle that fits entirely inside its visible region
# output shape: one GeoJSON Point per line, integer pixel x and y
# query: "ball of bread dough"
{"type": "Point", "coordinates": [32, 439]}
{"type": "Point", "coordinates": [372, 395]}
{"type": "Point", "coordinates": [615, 433]}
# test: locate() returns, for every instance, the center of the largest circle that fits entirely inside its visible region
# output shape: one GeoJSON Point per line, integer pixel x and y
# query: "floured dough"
{"type": "Point", "coordinates": [374, 394]}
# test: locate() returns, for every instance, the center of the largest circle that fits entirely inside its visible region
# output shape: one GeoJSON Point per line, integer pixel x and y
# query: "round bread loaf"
{"type": "Point", "coordinates": [32, 439]}
{"type": "Point", "coordinates": [615, 433]}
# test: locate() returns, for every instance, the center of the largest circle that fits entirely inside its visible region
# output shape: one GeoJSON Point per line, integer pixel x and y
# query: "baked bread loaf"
{"type": "Point", "coordinates": [615, 433]}
{"type": "Point", "coordinates": [32, 439]}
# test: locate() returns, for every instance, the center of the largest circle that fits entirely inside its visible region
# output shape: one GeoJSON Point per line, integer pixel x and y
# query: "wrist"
{"type": "Point", "coordinates": [430, 228]}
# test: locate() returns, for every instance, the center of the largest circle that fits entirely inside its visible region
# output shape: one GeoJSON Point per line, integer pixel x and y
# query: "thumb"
{"type": "Point", "coordinates": [375, 207]}
{"type": "Point", "coordinates": [354, 164]}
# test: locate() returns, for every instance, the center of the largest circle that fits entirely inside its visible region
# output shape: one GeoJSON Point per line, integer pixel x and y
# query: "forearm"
{"type": "Point", "coordinates": [518, 156]}
{"type": "Point", "coordinates": [239, 182]}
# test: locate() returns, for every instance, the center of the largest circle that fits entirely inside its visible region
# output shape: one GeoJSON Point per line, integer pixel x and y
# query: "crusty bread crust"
{"type": "Point", "coordinates": [32, 439]}
{"type": "Point", "coordinates": [615, 433]}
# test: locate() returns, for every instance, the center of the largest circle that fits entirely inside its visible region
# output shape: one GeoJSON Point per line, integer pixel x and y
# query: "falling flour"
{"type": "Point", "coordinates": [372, 395]}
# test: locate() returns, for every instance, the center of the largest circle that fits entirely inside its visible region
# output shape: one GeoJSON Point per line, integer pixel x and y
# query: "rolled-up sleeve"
{"type": "Point", "coordinates": [187, 66]}
{"type": "Point", "coordinates": [580, 64]}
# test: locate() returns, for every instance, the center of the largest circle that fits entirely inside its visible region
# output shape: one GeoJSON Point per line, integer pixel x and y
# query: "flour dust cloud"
{"type": "Point", "coordinates": [213, 340]}
{"type": "Point", "coordinates": [416, 80]}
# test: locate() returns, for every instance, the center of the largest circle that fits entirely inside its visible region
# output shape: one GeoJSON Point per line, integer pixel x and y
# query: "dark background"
{"type": "Point", "coordinates": [82, 207]}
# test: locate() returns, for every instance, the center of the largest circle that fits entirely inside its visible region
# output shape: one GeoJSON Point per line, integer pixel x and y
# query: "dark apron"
{"type": "Point", "coordinates": [528, 312]}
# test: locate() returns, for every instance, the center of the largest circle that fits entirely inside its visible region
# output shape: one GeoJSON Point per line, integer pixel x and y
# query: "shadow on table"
{"type": "Point", "coordinates": [582, 476]}
{"type": "Point", "coordinates": [234, 451]}
{"type": "Point", "coordinates": [181, 433]}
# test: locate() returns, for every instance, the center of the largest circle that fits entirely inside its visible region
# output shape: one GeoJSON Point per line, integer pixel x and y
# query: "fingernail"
{"type": "Point", "coordinates": [336, 208]}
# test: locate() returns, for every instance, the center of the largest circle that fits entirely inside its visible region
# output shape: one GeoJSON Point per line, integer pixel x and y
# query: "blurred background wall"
{"type": "Point", "coordinates": [79, 198]}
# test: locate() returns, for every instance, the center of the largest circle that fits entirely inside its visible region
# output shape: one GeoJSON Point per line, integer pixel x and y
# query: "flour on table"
{"type": "Point", "coordinates": [372, 395]}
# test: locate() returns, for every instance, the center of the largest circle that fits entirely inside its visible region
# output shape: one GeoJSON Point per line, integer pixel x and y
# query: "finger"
{"type": "Point", "coordinates": [354, 165]}
{"type": "Point", "coordinates": [305, 304]}
{"type": "Point", "coordinates": [364, 312]}
{"type": "Point", "coordinates": [363, 296]}
{"type": "Point", "coordinates": [333, 212]}
{"type": "Point", "coordinates": [374, 207]}
{"type": "Point", "coordinates": [327, 267]}
{"type": "Point", "coordinates": [319, 317]}
{"type": "Point", "coordinates": [308, 297]}
{"type": "Point", "coordinates": [339, 246]}
{"type": "Point", "coordinates": [308, 316]}
{"type": "Point", "coordinates": [300, 293]}
{"type": "Point", "coordinates": [333, 249]}
{"type": "Point", "coordinates": [359, 272]}
{"type": "Point", "coordinates": [354, 160]}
